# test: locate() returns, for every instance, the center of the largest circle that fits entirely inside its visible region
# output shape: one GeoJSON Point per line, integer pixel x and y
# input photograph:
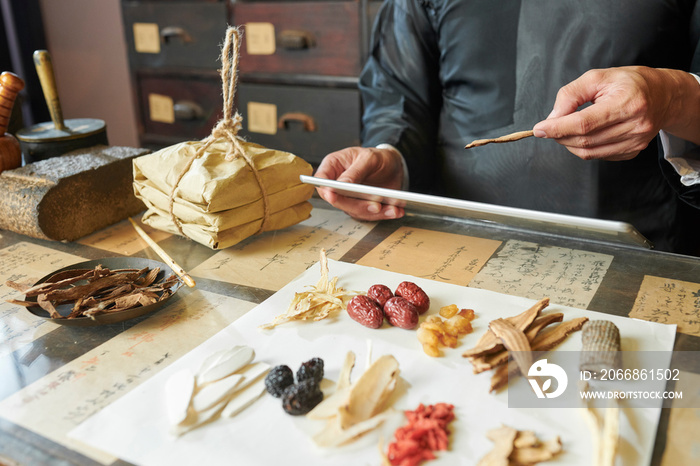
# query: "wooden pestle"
{"type": "Point", "coordinates": [10, 151]}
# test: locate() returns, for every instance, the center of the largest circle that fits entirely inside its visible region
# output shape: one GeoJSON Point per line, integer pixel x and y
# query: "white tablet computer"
{"type": "Point", "coordinates": [608, 231]}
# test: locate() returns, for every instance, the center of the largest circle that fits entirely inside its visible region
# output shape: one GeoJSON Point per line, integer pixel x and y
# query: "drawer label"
{"type": "Point", "coordinates": [161, 108]}
{"type": "Point", "coordinates": [262, 118]}
{"type": "Point", "coordinates": [146, 38]}
{"type": "Point", "coordinates": [260, 38]}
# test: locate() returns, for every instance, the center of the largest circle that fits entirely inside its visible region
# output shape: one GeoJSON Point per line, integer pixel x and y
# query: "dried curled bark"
{"type": "Point", "coordinates": [97, 291]}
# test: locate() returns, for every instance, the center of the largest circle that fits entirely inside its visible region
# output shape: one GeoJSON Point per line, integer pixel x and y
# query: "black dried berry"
{"type": "Point", "coordinates": [311, 370]}
{"type": "Point", "coordinates": [279, 378]}
{"type": "Point", "coordinates": [301, 398]}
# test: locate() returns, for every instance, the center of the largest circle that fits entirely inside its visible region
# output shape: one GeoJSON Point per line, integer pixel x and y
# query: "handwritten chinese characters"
{"type": "Point", "coordinates": [567, 276]}
{"type": "Point", "coordinates": [669, 302]}
{"type": "Point", "coordinates": [55, 404]}
{"type": "Point", "coordinates": [272, 261]}
{"type": "Point", "coordinates": [25, 263]}
{"type": "Point", "coordinates": [121, 238]}
{"type": "Point", "coordinates": [435, 255]}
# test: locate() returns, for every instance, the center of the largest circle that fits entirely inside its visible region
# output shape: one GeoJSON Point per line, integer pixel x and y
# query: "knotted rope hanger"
{"type": "Point", "coordinates": [226, 128]}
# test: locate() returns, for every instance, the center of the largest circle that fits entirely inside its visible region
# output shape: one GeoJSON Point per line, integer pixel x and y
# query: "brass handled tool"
{"type": "Point", "coordinates": [58, 136]}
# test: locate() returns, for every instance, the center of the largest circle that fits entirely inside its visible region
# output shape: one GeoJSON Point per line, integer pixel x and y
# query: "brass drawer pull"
{"type": "Point", "coordinates": [291, 39]}
{"type": "Point", "coordinates": [187, 110]}
{"type": "Point", "coordinates": [306, 120]}
{"type": "Point", "coordinates": [172, 32]}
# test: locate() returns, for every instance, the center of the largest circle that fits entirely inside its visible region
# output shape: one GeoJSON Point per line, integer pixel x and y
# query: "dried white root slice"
{"type": "Point", "coordinates": [245, 397]}
{"type": "Point", "coordinates": [225, 364]}
{"type": "Point", "coordinates": [214, 358]}
{"type": "Point", "coordinates": [333, 435]}
{"type": "Point", "coordinates": [370, 392]}
{"type": "Point", "coordinates": [197, 419]}
{"type": "Point", "coordinates": [330, 405]}
{"type": "Point", "coordinates": [610, 435]}
{"type": "Point", "coordinates": [346, 370]}
{"type": "Point", "coordinates": [215, 392]}
{"type": "Point", "coordinates": [178, 393]}
{"type": "Point", "coordinates": [251, 372]}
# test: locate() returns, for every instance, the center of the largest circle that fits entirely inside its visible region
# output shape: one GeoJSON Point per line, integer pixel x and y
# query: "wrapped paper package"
{"type": "Point", "coordinates": [222, 189]}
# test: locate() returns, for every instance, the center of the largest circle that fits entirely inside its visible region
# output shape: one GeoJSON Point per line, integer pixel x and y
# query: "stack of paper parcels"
{"type": "Point", "coordinates": [218, 202]}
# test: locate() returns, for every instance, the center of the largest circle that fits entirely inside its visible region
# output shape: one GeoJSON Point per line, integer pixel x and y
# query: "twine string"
{"type": "Point", "coordinates": [227, 128]}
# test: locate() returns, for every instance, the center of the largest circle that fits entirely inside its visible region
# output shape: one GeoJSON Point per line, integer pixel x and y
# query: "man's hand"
{"type": "Point", "coordinates": [364, 165]}
{"type": "Point", "coordinates": [629, 106]}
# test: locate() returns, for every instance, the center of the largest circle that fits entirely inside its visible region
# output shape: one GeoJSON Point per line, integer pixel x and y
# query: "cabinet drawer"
{"type": "Point", "coordinates": [178, 34]}
{"type": "Point", "coordinates": [308, 122]}
{"type": "Point", "coordinates": [300, 37]}
{"type": "Point", "coordinates": [182, 107]}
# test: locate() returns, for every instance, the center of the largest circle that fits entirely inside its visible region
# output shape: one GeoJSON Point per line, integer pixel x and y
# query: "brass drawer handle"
{"type": "Point", "coordinates": [306, 120]}
{"type": "Point", "coordinates": [291, 39]}
{"type": "Point", "coordinates": [172, 32]}
{"type": "Point", "coordinates": [186, 110]}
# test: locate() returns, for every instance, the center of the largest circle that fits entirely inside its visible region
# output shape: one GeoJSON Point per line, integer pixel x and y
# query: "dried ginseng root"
{"type": "Point", "coordinates": [518, 447]}
{"type": "Point", "coordinates": [97, 291]}
{"type": "Point", "coordinates": [321, 301]}
{"type": "Point", "coordinates": [425, 432]}
{"type": "Point", "coordinates": [444, 329]}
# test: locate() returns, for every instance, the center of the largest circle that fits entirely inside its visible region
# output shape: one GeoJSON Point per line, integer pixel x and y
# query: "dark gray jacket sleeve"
{"type": "Point", "coordinates": [689, 194]}
{"type": "Point", "coordinates": [400, 87]}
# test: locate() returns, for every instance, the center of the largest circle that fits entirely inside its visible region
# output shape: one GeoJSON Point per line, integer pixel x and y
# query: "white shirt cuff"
{"type": "Point", "coordinates": [404, 183]}
{"type": "Point", "coordinates": [674, 150]}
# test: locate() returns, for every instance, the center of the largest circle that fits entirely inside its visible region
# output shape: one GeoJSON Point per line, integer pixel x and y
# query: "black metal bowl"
{"type": "Point", "coordinates": [109, 317]}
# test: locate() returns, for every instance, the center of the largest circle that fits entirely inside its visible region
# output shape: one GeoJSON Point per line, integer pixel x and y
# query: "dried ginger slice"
{"type": "Point", "coordinates": [322, 300]}
{"type": "Point", "coordinates": [514, 447]}
{"type": "Point", "coordinates": [503, 439]}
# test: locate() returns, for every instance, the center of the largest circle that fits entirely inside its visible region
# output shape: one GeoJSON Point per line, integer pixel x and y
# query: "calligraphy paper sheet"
{"type": "Point", "coordinates": [135, 428]}
{"type": "Point", "coordinates": [25, 263]}
{"type": "Point", "coordinates": [121, 238]}
{"type": "Point", "coordinates": [669, 302]}
{"type": "Point", "coordinates": [55, 404]}
{"type": "Point", "coordinates": [567, 276]}
{"type": "Point", "coordinates": [273, 261]}
{"type": "Point", "coordinates": [446, 257]}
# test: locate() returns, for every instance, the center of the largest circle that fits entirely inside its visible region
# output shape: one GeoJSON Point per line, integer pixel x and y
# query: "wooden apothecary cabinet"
{"type": "Point", "coordinates": [298, 70]}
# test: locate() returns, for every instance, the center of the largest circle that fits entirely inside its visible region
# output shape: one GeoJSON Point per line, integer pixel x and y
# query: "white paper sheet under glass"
{"type": "Point", "coordinates": [135, 428]}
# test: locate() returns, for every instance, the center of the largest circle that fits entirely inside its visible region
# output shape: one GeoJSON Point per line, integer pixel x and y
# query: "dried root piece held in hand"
{"type": "Point", "coordinates": [507, 138]}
